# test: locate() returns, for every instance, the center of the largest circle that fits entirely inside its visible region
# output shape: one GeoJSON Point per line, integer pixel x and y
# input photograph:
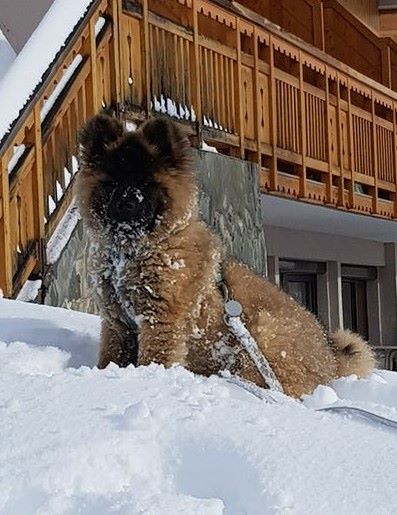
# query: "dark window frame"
{"type": "Point", "coordinates": [309, 282]}
{"type": "Point", "coordinates": [355, 305]}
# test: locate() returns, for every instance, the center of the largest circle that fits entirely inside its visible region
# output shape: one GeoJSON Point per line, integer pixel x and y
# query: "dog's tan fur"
{"type": "Point", "coordinates": [171, 285]}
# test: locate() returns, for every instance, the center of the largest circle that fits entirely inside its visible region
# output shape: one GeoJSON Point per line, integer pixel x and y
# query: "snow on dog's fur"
{"type": "Point", "coordinates": [154, 266]}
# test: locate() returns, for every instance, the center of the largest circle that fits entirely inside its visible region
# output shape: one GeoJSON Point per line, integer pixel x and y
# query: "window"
{"type": "Point", "coordinates": [354, 298]}
{"type": "Point", "coordinates": [299, 279]}
{"type": "Point", "coordinates": [302, 287]}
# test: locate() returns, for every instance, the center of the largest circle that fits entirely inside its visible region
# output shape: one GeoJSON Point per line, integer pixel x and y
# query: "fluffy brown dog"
{"type": "Point", "coordinates": [155, 264]}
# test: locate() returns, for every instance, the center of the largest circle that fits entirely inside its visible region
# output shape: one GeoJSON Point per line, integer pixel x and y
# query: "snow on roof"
{"type": "Point", "coordinates": [166, 442]}
{"type": "Point", "coordinates": [32, 62]}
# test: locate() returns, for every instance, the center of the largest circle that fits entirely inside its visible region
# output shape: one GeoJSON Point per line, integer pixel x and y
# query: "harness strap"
{"type": "Point", "coordinates": [260, 393]}
{"type": "Point", "coordinates": [238, 329]}
{"type": "Point", "coordinates": [232, 317]}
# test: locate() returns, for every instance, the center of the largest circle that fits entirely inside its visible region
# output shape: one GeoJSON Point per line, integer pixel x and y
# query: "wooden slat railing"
{"type": "Point", "coordinates": [36, 187]}
{"type": "Point", "coordinates": [318, 130]}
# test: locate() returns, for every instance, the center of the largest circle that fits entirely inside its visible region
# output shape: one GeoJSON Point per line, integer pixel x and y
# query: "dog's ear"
{"type": "Point", "coordinates": [171, 145]}
{"type": "Point", "coordinates": [96, 136]}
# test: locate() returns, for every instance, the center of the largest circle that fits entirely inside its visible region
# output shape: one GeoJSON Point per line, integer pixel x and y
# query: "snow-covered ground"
{"type": "Point", "coordinates": [153, 441]}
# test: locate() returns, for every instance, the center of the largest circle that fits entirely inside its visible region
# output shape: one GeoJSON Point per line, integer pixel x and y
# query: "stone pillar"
{"type": "Point", "coordinates": [230, 204]}
{"type": "Point", "coordinates": [374, 312]}
{"type": "Point", "coordinates": [273, 270]}
{"type": "Point", "coordinates": [323, 301]}
{"type": "Point", "coordinates": [388, 296]}
{"type": "Point", "coordinates": [334, 280]}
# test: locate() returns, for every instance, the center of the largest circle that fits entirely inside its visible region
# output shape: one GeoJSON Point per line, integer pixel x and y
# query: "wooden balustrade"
{"type": "Point", "coordinates": [318, 130]}
{"type": "Point", "coordinates": [38, 158]}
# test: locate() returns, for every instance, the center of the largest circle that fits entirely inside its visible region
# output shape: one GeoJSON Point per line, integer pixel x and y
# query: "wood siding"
{"type": "Point", "coordinates": [365, 10]}
{"type": "Point", "coordinates": [318, 130]}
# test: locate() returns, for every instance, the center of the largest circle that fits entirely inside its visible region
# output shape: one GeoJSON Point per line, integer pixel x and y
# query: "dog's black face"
{"type": "Point", "coordinates": [129, 208]}
{"type": "Point", "coordinates": [129, 194]}
{"type": "Point", "coordinates": [123, 167]}
{"type": "Point", "coordinates": [129, 161]}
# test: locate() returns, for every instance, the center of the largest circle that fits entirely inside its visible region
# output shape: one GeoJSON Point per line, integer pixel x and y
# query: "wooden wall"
{"type": "Point", "coordinates": [388, 23]}
{"type": "Point", "coordinates": [351, 42]}
{"type": "Point", "coordinates": [317, 129]}
{"type": "Point", "coordinates": [348, 30]}
{"type": "Point", "coordinates": [36, 188]}
{"type": "Point", "coordinates": [365, 10]}
{"type": "Point", "coordinates": [299, 17]}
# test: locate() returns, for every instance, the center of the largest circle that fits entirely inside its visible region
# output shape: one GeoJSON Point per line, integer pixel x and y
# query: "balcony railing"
{"type": "Point", "coordinates": [319, 130]}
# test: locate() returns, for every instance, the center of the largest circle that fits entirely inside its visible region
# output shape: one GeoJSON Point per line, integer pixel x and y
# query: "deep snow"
{"type": "Point", "coordinates": [148, 440]}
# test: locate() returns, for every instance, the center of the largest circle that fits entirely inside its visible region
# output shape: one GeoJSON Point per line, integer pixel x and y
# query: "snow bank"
{"type": "Point", "coordinates": [153, 441]}
{"type": "Point", "coordinates": [20, 358]}
{"type": "Point", "coordinates": [34, 59]}
{"type": "Point", "coordinates": [43, 326]}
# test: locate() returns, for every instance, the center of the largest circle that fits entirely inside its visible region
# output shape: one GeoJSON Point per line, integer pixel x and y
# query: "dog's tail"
{"type": "Point", "coordinates": [352, 353]}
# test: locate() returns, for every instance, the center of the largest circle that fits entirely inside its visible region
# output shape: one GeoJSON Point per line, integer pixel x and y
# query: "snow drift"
{"type": "Point", "coordinates": [75, 439]}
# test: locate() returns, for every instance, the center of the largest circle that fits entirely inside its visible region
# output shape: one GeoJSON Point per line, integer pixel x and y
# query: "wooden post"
{"type": "Point", "coordinates": [238, 76]}
{"type": "Point", "coordinates": [341, 190]}
{"type": "Point", "coordinates": [386, 65]}
{"type": "Point", "coordinates": [196, 78]}
{"type": "Point", "coordinates": [38, 185]}
{"type": "Point", "coordinates": [318, 29]}
{"type": "Point", "coordinates": [116, 10]}
{"type": "Point", "coordinates": [302, 111]}
{"type": "Point", "coordinates": [394, 158]}
{"type": "Point", "coordinates": [328, 137]}
{"type": "Point", "coordinates": [94, 67]}
{"type": "Point", "coordinates": [5, 243]}
{"type": "Point", "coordinates": [92, 86]}
{"type": "Point", "coordinates": [257, 117]}
{"type": "Point", "coordinates": [351, 149]}
{"type": "Point", "coordinates": [374, 157]}
{"type": "Point", "coordinates": [146, 55]}
{"type": "Point", "coordinates": [273, 118]}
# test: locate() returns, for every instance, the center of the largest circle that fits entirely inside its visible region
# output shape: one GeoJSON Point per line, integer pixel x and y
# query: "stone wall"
{"type": "Point", "coordinates": [229, 202]}
{"type": "Point", "coordinates": [67, 283]}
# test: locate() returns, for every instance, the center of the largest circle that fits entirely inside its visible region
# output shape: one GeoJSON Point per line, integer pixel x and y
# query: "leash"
{"type": "Point", "coordinates": [232, 318]}
{"type": "Point", "coordinates": [260, 393]}
{"type": "Point", "coordinates": [368, 415]}
{"type": "Point", "coordinates": [272, 397]}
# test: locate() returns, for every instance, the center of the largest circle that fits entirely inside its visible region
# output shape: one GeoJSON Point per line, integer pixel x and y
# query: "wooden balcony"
{"type": "Point", "coordinates": [319, 130]}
